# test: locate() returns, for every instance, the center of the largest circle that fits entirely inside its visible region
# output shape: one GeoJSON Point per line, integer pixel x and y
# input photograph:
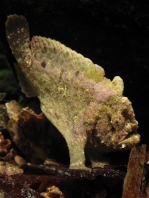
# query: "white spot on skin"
{"type": "Point", "coordinates": [123, 145]}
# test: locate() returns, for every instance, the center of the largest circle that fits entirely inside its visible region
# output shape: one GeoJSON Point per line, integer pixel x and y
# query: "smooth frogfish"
{"type": "Point", "coordinates": [88, 109]}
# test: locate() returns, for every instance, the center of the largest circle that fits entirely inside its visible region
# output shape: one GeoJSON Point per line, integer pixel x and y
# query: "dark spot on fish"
{"type": "Point", "coordinates": [44, 49]}
{"type": "Point", "coordinates": [29, 46]}
{"type": "Point", "coordinates": [125, 113]}
{"type": "Point", "coordinates": [54, 50]}
{"type": "Point", "coordinates": [77, 73]}
{"type": "Point", "coordinates": [43, 64]}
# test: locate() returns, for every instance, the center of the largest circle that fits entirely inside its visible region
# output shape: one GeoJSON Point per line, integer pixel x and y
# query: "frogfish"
{"type": "Point", "coordinates": [88, 109]}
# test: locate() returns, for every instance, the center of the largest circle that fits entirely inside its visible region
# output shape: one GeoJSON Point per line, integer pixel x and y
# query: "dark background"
{"type": "Point", "coordinates": [113, 34]}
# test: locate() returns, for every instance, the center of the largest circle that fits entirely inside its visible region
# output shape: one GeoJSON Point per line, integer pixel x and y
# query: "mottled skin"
{"type": "Point", "coordinates": [87, 108]}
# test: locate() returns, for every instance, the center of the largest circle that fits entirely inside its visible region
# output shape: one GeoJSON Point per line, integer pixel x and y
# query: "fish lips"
{"type": "Point", "coordinates": [130, 140]}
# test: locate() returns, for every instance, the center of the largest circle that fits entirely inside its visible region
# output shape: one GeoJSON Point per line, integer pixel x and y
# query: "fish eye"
{"type": "Point", "coordinates": [118, 121]}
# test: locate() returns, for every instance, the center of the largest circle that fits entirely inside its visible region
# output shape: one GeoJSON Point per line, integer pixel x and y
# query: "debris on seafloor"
{"type": "Point", "coordinates": [88, 109]}
{"type": "Point", "coordinates": [35, 137]}
{"type": "Point", "coordinates": [134, 182]}
{"type": "Point", "coordinates": [4, 144]}
{"type": "Point", "coordinates": [8, 169]}
{"type": "Point", "coordinates": [52, 191]}
{"type": "Point", "coordinates": [3, 117]}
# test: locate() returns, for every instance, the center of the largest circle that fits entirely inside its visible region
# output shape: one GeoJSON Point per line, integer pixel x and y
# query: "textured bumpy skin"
{"type": "Point", "coordinates": [88, 109]}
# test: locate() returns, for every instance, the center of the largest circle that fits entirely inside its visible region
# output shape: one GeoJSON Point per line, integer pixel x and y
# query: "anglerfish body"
{"type": "Point", "coordinates": [88, 109]}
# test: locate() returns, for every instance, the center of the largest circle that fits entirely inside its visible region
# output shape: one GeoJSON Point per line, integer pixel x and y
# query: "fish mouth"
{"type": "Point", "coordinates": [130, 140]}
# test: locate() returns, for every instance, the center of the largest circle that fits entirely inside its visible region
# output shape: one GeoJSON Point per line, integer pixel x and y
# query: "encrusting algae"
{"type": "Point", "coordinates": [88, 109]}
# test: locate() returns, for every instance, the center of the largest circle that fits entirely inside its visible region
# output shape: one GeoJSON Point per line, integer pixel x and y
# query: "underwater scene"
{"type": "Point", "coordinates": [74, 116]}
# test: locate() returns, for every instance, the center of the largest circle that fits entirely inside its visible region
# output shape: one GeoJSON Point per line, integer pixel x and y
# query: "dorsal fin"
{"type": "Point", "coordinates": [17, 31]}
{"type": "Point", "coordinates": [46, 48]}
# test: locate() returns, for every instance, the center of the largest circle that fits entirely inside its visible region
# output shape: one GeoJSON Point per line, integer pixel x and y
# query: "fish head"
{"type": "Point", "coordinates": [116, 126]}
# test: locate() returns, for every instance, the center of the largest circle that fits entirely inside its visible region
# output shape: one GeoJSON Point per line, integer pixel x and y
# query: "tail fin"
{"type": "Point", "coordinates": [17, 31]}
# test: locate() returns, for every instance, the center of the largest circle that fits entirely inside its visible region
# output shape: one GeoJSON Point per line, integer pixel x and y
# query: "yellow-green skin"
{"type": "Point", "coordinates": [87, 108]}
